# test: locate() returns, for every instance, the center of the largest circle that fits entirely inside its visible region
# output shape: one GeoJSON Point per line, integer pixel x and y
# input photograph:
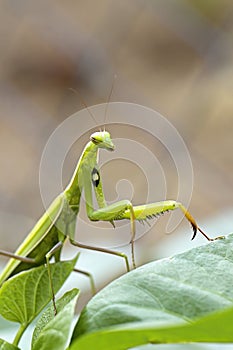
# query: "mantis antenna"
{"type": "Point", "coordinates": [84, 103]}
{"type": "Point", "coordinates": [88, 109]}
{"type": "Point", "coordinates": [108, 100]}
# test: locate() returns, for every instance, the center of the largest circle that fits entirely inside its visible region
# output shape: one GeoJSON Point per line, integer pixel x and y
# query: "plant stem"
{"type": "Point", "coordinates": [19, 334]}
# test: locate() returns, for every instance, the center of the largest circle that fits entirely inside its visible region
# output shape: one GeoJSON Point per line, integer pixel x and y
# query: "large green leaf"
{"type": "Point", "coordinates": [24, 295]}
{"type": "Point", "coordinates": [217, 327]}
{"type": "Point", "coordinates": [185, 346]}
{"type": "Point", "coordinates": [175, 290]}
{"type": "Point", "coordinates": [53, 332]}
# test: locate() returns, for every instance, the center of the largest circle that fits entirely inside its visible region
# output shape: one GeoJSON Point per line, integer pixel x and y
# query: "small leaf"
{"type": "Point", "coordinates": [48, 315]}
{"type": "Point", "coordinates": [4, 345]}
{"type": "Point", "coordinates": [170, 291]}
{"type": "Point", "coordinates": [54, 332]}
{"type": "Point", "coordinates": [23, 296]}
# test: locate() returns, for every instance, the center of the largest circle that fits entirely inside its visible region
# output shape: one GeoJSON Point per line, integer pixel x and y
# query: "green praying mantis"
{"type": "Point", "coordinates": [58, 223]}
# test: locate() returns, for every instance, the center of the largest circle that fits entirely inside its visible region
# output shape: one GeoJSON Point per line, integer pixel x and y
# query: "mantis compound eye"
{"type": "Point", "coordinates": [94, 140]}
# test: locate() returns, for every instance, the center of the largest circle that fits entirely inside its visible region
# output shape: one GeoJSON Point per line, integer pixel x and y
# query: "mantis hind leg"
{"type": "Point", "coordinates": [91, 279]}
{"type": "Point", "coordinates": [17, 257]}
{"type": "Point", "coordinates": [103, 250]}
{"type": "Point", "coordinates": [10, 268]}
{"type": "Point", "coordinates": [48, 256]}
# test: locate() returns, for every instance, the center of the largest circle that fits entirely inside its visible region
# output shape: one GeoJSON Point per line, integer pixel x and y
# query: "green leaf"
{"type": "Point", "coordinates": [4, 345]}
{"type": "Point", "coordinates": [175, 290]}
{"type": "Point", "coordinates": [48, 315]}
{"type": "Point", "coordinates": [180, 347]}
{"type": "Point", "coordinates": [53, 332]}
{"type": "Point", "coordinates": [23, 296]}
{"type": "Point", "coordinates": [217, 327]}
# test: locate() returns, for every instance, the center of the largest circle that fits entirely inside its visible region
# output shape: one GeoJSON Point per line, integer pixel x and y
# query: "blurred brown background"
{"type": "Point", "coordinates": [174, 56]}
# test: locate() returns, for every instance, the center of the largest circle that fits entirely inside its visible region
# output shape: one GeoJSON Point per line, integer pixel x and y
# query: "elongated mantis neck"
{"type": "Point", "coordinates": [87, 160]}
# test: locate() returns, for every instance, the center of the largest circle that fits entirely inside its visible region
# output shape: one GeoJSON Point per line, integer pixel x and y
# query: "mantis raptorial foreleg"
{"type": "Point", "coordinates": [148, 211]}
{"type": "Point", "coordinates": [124, 210]}
{"type": "Point", "coordinates": [107, 213]}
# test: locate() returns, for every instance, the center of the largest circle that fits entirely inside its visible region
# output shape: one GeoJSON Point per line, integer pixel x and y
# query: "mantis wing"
{"type": "Point", "coordinates": [38, 232]}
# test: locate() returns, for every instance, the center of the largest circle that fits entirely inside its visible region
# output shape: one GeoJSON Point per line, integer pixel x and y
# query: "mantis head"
{"type": "Point", "coordinates": [103, 140]}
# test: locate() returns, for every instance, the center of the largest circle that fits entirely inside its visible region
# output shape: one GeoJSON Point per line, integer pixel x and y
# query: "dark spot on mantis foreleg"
{"type": "Point", "coordinates": [95, 177]}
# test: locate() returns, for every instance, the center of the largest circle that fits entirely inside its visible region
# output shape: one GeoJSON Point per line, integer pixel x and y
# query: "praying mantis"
{"type": "Point", "coordinates": [58, 223]}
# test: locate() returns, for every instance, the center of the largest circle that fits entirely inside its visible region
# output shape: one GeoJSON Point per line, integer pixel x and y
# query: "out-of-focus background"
{"type": "Point", "coordinates": [174, 56]}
